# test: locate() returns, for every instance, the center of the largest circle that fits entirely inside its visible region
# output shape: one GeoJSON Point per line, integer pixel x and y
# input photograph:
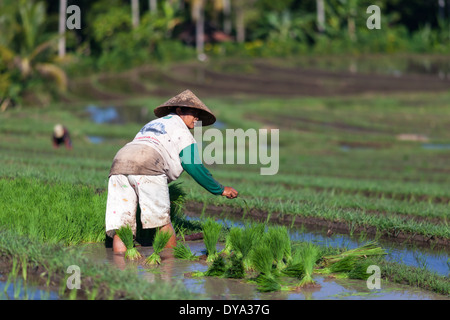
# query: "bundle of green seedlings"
{"type": "Point", "coordinates": [262, 261]}
{"type": "Point", "coordinates": [369, 249]}
{"type": "Point", "coordinates": [240, 241]}
{"type": "Point", "coordinates": [126, 235]}
{"type": "Point", "coordinates": [159, 242]}
{"type": "Point", "coordinates": [348, 262]}
{"type": "Point", "coordinates": [183, 251]}
{"type": "Point", "coordinates": [230, 267]}
{"type": "Point", "coordinates": [211, 233]}
{"type": "Point", "coordinates": [306, 260]}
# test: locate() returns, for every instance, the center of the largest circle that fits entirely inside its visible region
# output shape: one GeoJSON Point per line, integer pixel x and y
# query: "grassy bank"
{"type": "Point", "coordinates": [47, 264]}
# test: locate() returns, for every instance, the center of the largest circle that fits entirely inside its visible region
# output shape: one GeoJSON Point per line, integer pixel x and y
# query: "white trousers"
{"type": "Point", "coordinates": [125, 192]}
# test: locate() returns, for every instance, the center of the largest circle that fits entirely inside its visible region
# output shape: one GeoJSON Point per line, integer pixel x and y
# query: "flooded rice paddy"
{"type": "Point", "coordinates": [173, 269]}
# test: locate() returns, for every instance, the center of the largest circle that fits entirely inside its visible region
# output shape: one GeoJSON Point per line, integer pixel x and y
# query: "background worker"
{"type": "Point", "coordinates": [158, 154]}
{"type": "Point", "coordinates": [61, 136]}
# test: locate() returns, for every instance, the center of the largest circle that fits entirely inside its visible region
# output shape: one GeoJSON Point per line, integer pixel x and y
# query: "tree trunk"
{"type": "Point", "coordinates": [62, 28]}
{"type": "Point", "coordinates": [320, 15]}
{"type": "Point", "coordinates": [153, 5]}
{"type": "Point", "coordinates": [200, 27]}
{"type": "Point", "coordinates": [240, 25]}
{"type": "Point", "coordinates": [227, 16]}
{"type": "Point", "coordinates": [135, 12]}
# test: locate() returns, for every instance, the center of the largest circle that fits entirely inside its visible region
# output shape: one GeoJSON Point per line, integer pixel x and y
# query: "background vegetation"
{"type": "Point", "coordinates": [118, 34]}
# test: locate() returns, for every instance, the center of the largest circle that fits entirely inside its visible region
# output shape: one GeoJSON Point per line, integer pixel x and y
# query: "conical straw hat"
{"type": "Point", "coordinates": [186, 99]}
{"type": "Point", "coordinates": [58, 131]}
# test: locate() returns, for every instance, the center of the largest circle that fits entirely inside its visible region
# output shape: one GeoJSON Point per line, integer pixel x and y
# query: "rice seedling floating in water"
{"type": "Point", "coordinates": [341, 266]}
{"type": "Point", "coordinates": [159, 242]}
{"type": "Point", "coordinates": [126, 235]}
{"type": "Point", "coordinates": [182, 251]}
{"type": "Point", "coordinates": [211, 233]}
{"type": "Point", "coordinates": [360, 270]}
{"type": "Point", "coordinates": [369, 249]}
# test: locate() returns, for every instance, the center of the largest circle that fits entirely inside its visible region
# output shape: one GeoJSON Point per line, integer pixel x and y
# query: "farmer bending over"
{"type": "Point", "coordinates": [159, 153]}
{"type": "Point", "coordinates": [60, 136]}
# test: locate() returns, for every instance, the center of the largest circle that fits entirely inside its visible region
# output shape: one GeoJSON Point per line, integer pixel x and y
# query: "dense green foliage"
{"type": "Point", "coordinates": [109, 41]}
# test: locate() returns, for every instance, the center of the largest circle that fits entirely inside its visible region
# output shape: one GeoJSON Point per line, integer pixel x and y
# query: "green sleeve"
{"type": "Point", "coordinates": [191, 163]}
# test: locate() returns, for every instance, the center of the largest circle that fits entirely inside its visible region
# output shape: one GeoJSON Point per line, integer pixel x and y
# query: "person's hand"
{"type": "Point", "coordinates": [230, 193]}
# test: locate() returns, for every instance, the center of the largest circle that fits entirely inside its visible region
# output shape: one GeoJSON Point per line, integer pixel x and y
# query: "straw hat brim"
{"type": "Point", "coordinates": [186, 99]}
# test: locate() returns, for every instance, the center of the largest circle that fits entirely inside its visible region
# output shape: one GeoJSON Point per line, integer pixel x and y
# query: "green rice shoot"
{"type": "Point", "coordinates": [125, 234]}
{"type": "Point", "coordinates": [267, 283]}
{"type": "Point", "coordinates": [159, 242]}
{"type": "Point", "coordinates": [211, 233]}
{"type": "Point", "coordinates": [278, 240]}
{"type": "Point", "coordinates": [217, 268]}
{"type": "Point", "coordinates": [369, 249]}
{"type": "Point", "coordinates": [184, 252]}
{"type": "Point", "coordinates": [236, 268]}
{"type": "Point", "coordinates": [309, 254]}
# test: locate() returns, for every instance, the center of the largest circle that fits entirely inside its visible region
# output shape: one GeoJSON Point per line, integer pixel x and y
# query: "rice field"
{"type": "Point", "coordinates": [354, 165]}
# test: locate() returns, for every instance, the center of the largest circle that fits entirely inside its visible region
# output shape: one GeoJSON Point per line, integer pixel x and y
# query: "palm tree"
{"type": "Point", "coordinates": [227, 16]}
{"type": "Point", "coordinates": [241, 8]}
{"type": "Point", "coordinates": [320, 15]}
{"type": "Point", "coordinates": [62, 28]}
{"type": "Point", "coordinates": [153, 6]}
{"type": "Point", "coordinates": [25, 50]}
{"type": "Point", "coordinates": [198, 15]}
{"type": "Point", "coordinates": [135, 12]}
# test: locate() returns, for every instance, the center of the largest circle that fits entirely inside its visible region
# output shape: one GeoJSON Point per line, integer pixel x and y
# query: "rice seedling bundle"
{"type": "Point", "coordinates": [182, 251]}
{"type": "Point", "coordinates": [360, 270]}
{"type": "Point", "coordinates": [278, 241]}
{"type": "Point", "coordinates": [217, 268]}
{"type": "Point", "coordinates": [262, 259]}
{"type": "Point", "coordinates": [159, 242]}
{"type": "Point", "coordinates": [344, 265]}
{"type": "Point", "coordinates": [309, 255]}
{"type": "Point", "coordinates": [236, 268]}
{"type": "Point", "coordinates": [211, 232]}
{"type": "Point", "coordinates": [295, 267]}
{"type": "Point", "coordinates": [242, 241]}
{"type": "Point", "coordinates": [369, 249]}
{"type": "Point", "coordinates": [126, 235]}
{"type": "Point", "coordinates": [267, 283]}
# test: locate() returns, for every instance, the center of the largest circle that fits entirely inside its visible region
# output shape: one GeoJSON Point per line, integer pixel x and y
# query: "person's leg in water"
{"type": "Point", "coordinates": [118, 245]}
{"type": "Point", "coordinates": [173, 239]}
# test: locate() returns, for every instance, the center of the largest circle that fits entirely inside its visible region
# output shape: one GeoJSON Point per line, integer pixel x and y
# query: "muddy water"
{"type": "Point", "coordinates": [172, 269]}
